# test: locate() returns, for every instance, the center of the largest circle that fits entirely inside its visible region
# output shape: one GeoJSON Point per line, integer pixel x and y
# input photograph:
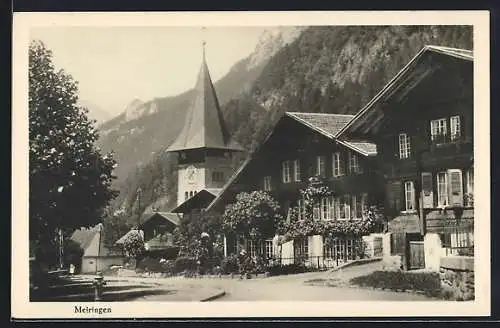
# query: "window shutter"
{"type": "Point", "coordinates": [455, 187]}
{"type": "Point", "coordinates": [427, 193]}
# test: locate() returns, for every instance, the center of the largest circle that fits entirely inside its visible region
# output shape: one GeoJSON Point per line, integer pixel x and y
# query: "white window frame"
{"type": "Point", "coordinates": [357, 207]}
{"type": "Point", "coordinates": [353, 160]}
{"type": "Point", "coordinates": [286, 174]}
{"type": "Point", "coordinates": [442, 201]}
{"type": "Point", "coordinates": [404, 146]}
{"type": "Point", "coordinates": [340, 207]}
{"type": "Point", "coordinates": [267, 183]}
{"type": "Point", "coordinates": [269, 249]}
{"type": "Point", "coordinates": [469, 184]}
{"type": "Point", "coordinates": [455, 127]}
{"type": "Point", "coordinates": [301, 209]}
{"type": "Point", "coordinates": [337, 165]}
{"type": "Point", "coordinates": [324, 208]}
{"type": "Point", "coordinates": [320, 166]}
{"type": "Point", "coordinates": [410, 203]}
{"type": "Point", "coordinates": [296, 170]}
{"type": "Point", "coordinates": [439, 128]}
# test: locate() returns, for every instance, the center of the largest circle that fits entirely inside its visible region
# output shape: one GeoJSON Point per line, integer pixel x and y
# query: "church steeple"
{"type": "Point", "coordinates": [204, 126]}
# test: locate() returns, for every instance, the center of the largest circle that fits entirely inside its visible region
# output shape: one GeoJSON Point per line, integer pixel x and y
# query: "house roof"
{"type": "Point", "coordinates": [199, 200]}
{"type": "Point", "coordinates": [167, 216]}
{"type": "Point", "coordinates": [91, 241]}
{"type": "Point", "coordinates": [204, 125]}
{"type": "Point", "coordinates": [84, 236]}
{"type": "Point", "coordinates": [329, 125]}
{"type": "Point", "coordinates": [363, 115]}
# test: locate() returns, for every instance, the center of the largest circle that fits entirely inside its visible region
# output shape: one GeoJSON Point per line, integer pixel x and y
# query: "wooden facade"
{"type": "Point", "coordinates": [301, 146]}
{"type": "Point", "coordinates": [423, 125]}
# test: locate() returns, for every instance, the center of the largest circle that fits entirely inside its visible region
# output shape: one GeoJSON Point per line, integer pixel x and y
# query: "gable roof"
{"type": "Point", "coordinates": [204, 124]}
{"type": "Point", "coordinates": [329, 125]}
{"type": "Point", "coordinates": [84, 236]}
{"type": "Point", "coordinates": [91, 241]}
{"type": "Point", "coordinates": [167, 216]}
{"type": "Point", "coordinates": [201, 198]}
{"type": "Point", "coordinates": [462, 54]}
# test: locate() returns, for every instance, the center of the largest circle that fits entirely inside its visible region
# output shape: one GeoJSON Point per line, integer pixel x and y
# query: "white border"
{"type": "Point", "coordinates": [23, 22]}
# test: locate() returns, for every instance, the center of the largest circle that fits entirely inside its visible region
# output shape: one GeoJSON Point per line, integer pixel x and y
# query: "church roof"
{"type": "Point", "coordinates": [204, 124]}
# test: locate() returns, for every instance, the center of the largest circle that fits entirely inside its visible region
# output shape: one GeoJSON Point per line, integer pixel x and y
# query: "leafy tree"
{"type": "Point", "coordinates": [115, 226]}
{"type": "Point", "coordinates": [254, 215]}
{"type": "Point", "coordinates": [70, 181]}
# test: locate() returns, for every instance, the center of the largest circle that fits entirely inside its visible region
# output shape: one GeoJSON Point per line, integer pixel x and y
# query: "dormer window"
{"type": "Point", "coordinates": [404, 146]}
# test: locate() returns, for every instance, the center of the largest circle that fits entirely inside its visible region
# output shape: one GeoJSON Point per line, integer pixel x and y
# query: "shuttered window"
{"type": "Point", "coordinates": [469, 185]}
{"type": "Point", "coordinates": [427, 193]}
{"type": "Point", "coordinates": [455, 127]}
{"type": "Point", "coordinates": [286, 172]}
{"type": "Point", "coordinates": [338, 167]}
{"type": "Point", "coordinates": [442, 188]}
{"type": "Point", "coordinates": [409, 196]}
{"type": "Point", "coordinates": [296, 170]}
{"type": "Point", "coordinates": [267, 183]}
{"type": "Point", "coordinates": [455, 187]}
{"type": "Point", "coordinates": [320, 166]}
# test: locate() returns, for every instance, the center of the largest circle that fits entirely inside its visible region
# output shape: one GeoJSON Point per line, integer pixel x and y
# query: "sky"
{"type": "Point", "coordinates": [115, 65]}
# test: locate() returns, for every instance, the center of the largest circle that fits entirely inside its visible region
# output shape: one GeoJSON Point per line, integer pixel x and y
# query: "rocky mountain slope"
{"type": "Point", "coordinates": [331, 69]}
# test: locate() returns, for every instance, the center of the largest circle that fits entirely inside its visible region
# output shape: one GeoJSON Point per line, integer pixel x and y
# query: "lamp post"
{"type": "Point", "coordinates": [139, 193]}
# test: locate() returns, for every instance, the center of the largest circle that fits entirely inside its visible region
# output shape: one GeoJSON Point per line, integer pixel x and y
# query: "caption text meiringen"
{"type": "Point", "coordinates": [92, 309]}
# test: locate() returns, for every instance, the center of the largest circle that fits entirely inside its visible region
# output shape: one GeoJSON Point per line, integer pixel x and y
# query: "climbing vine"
{"type": "Point", "coordinates": [372, 220]}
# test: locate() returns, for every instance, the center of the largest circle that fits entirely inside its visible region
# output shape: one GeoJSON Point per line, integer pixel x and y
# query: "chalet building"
{"type": "Point", "coordinates": [422, 125]}
{"type": "Point", "coordinates": [157, 230]}
{"type": "Point", "coordinates": [301, 146]}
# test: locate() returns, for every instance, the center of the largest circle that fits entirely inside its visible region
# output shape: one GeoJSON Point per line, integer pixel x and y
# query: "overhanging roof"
{"type": "Point", "coordinates": [363, 115]}
{"type": "Point", "coordinates": [200, 200]}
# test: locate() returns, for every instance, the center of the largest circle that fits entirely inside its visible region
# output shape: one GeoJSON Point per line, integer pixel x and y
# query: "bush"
{"type": "Point", "coordinates": [188, 264]}
{"type": "Point", "coordinates": [278, 269]}
{"type": "Point", "coordinates": [155, 265]}
{"type": "Point", "coordinates": [230, 264]}
{"type": "Point", "coordinates": [429, 283]}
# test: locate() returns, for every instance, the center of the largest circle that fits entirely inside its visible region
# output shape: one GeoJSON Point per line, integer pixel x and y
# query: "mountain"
{"type": "Point", "coordinates": [95, 112]}
{"type": "Point", "coordinates": [146, 127]}
{"type": "Point", "coordinates": [330, 69]}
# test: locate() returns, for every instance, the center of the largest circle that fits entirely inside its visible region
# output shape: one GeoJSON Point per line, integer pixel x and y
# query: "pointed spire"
{"type": "Point", "coordinates": [204, 125]}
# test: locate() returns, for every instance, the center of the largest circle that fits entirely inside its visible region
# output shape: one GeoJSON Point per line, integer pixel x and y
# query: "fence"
{"type": "Point", "coordinates": [457, 235]}
{"type": "Point", "coordinates": [314, 262]}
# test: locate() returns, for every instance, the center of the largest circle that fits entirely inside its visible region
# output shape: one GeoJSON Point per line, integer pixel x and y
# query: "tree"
{"type": "Point", "coordinates": [134, 244]}
{"type": "Point", "coordinates": [70, 181]}
{"type": "Point", "coordinates": [115, 226]}
{"type": "Point", "coordinates": [254, 215]}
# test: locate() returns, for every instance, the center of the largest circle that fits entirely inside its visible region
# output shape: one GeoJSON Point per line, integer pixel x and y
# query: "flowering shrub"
{"type": "Point", "coordinates": [134, 244]}
{"type": "Point", "coordinates": [254, 215]}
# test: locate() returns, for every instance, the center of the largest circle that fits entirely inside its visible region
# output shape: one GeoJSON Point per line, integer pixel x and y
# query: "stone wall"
{"type": "Point", "coordinates": [457, 277]}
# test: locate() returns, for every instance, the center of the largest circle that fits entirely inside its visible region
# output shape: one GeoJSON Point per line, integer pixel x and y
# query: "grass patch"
{"type": "Point", "coordinates": [426, 282]}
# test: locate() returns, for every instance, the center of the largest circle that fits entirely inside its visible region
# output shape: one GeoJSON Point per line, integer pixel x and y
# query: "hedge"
{"type": "Point", "coordinates": [399, 280]}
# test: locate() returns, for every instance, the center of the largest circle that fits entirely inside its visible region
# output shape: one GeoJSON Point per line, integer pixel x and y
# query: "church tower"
{"type": "Point", "coordinates": [203, 146]}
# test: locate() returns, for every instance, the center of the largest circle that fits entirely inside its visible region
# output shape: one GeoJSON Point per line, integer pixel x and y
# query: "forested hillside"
{"type": "Point", "coordinates": [331, 69]}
